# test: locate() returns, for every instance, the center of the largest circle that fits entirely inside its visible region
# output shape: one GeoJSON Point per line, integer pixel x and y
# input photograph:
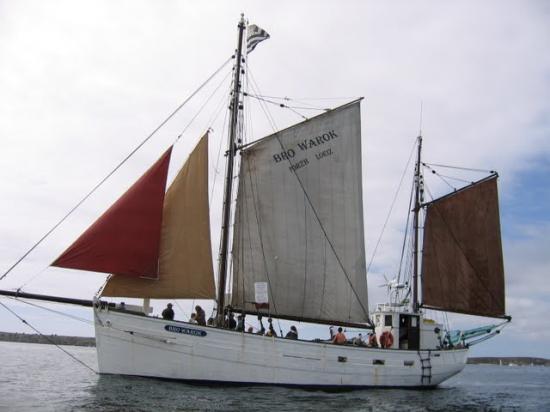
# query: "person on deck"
{"type": "Point", "coordinates": [270, 329]}
{"type": "Point", "coordinates": [193, 318]}
{"type": "Point", "coordinates": [371, 341]}
{"type": "Point", "coordinates": [201, 316]}
{"type": "Point", "coordinates": [261, 331]}
{"type": "Point", "coordinates": [358, 340]}
{"type": "Point", "coordinates": [231, 322]}
{"type": "Point", "coordinates": [168, 312]}
{"type": "Point", "coordinates": [240, 323]}
{"type": "Point", "coordinates": [292, 333]}
{"type": "Point", "coordinates": [339, 338]}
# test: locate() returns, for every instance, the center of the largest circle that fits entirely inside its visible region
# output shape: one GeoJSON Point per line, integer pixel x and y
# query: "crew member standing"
{"type": "Point", "coordinates": [201, 316]}
{"type": "Point", "coordinates": [168, 313]}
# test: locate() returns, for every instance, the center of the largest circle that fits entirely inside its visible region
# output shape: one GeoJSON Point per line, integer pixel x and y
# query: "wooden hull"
{"type": "Point", "coordinates": [128, 344]}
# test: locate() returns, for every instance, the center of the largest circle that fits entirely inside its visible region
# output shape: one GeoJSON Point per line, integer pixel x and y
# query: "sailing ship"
{"type": "Point", "coordinates": [297, 253]}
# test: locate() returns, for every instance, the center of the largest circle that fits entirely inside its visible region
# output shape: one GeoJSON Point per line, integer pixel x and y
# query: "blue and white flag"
{"type": "Point", "coordinates": [254, 36]}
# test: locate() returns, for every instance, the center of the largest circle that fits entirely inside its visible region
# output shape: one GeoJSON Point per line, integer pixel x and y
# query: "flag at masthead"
{"type": "Point", "coordinates": [255, 36]}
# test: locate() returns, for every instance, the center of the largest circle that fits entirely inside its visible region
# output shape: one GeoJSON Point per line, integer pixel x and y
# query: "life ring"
{"type": "Point", "coordinates": [386, 340]}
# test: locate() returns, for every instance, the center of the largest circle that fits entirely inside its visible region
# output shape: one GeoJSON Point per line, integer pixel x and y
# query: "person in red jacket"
{"type": "Point", "coordinates": [339, 338]}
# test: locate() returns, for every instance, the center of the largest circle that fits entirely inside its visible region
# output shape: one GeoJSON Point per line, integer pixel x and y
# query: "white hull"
{"type": "Point", "coordinates": [128, 344]}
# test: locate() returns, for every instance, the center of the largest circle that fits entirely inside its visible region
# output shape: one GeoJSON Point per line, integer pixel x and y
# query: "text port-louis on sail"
{"type": "Point", "coordinates": [292, 248]}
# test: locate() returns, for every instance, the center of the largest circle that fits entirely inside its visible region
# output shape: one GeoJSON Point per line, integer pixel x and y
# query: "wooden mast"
{"type": "Point", "coordinates": [417, 201]}
{"type": "Point", "coordinates": [234, 109]}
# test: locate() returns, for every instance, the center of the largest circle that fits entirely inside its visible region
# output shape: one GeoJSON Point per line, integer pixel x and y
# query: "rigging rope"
{"type": "Point", "coordinates": [49, 339]}
{"type": "Point", "coordinates": [89, 322]}
{"type": "Point", "coordinates": [347, 98]}
{"type": "Point", "coordinates": [405, 238]}
{"type": "Point", "coordinates": [444, 177]}
{"type": "Point", "coordinates": [115, 169]}
{"type": "Point", "coordinates": [392, 205]}
{"type": "Point", "coordinates": [459, 168]}
{"type": "Point", "coordinates": [283, 106]}
{"type": "Point", "coordinates": [33, 277]}
{"type": "Point", "coordinates": [454, 178]}
{"type": "Point", "coordinates": [216, 170]}
{"type": "Point", "coordinates": [263, 106]}
{"type": "Point", "coordinates": [202, 107]}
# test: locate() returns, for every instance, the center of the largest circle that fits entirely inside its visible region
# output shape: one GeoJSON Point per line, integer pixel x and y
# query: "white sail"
{"type": "Point", "coordinates": [299, 221]}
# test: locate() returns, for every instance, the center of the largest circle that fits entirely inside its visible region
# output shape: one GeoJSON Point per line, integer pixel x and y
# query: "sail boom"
{"type": "Point", "coordinates": [308, 320]}
{"type": "Point", "coordinates": [463, 312]}
{"type": "Point", "coordinates": [56, 299]}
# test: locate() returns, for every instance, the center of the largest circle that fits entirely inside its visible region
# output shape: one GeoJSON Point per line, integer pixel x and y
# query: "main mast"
{"type": "Point", "coordinates": [234, 109]}
{"type": "Point", "coordinates": [417, 202]}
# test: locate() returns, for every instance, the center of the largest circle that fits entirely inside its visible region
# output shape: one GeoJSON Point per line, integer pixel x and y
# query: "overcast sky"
{"type": "Point", "coordinates": [82, 83]}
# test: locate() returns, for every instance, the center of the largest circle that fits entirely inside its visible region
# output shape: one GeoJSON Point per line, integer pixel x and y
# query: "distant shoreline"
{"type": "Point", "coordinates": [509, 361]}
{"type": "Point", "coordinates": [47, 339]}
{"type": "Point", "coordinates": [90, 342]}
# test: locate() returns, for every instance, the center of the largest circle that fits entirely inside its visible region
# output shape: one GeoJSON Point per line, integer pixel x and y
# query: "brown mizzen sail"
{"type": "Point", "coordinates": [462, 268]}
{"type": "Point", "coordinates": [125, 239]}
{"type": "Point", "coordinates": [185, 250]}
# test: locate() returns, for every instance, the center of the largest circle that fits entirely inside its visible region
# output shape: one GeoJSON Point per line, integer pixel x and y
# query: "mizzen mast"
{"type": "Point", "coordinates": [417, 204]}
{"type": "Point", "coordinates": [226, 216]}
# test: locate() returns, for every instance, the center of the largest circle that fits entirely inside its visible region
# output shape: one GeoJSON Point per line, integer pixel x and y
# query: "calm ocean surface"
{"type": "Point", "coordinates": [41, 377]}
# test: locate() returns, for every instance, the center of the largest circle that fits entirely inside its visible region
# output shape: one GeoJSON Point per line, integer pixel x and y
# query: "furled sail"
{"type": "Point", "coordinates": [299, 222]}
{"type": "Point", "coordinates": [185, 265]}
{"type": "Point", "coordinates": [125, 239]}
{"type": "Point", "coordinates": [462, 268]}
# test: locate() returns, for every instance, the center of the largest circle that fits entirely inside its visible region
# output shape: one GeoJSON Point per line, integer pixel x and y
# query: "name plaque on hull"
{"type": "Point", "coordinates": [186, 331]}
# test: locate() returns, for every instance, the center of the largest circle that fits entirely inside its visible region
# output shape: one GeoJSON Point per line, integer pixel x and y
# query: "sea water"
{"type": "Point", "coordinates": [41, 377]}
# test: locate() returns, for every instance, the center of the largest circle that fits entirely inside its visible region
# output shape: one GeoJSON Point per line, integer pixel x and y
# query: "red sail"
{"type": "Point", "coordinates": [125, 239]}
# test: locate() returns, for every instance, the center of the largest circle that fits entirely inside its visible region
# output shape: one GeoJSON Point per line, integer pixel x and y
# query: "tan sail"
{"type": "Point", "coordinates": [185, 263]}
{"type": "Point", "coordinates": [462, 268]}
{"type": "Point", "coordinates": [299, 222]}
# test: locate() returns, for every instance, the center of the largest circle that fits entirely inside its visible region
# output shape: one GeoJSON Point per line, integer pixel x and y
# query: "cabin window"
{"type": "Point", "coordinates": [408, 363]}
{"type": "Point", "coordinates": [387, 320]}
{"type": "Point", "coordinates": [414, 321]}
{"type": "Point", "coordinates": [378, 361]}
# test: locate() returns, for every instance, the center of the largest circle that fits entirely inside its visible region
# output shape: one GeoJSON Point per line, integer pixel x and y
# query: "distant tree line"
{"type": "Point", "coordinates": [47, 339]}
{"type": "Point", "coordinates": [512, 361]}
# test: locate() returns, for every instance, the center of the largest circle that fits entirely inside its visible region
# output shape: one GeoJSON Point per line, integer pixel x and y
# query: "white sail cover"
{"type": "Point", "coordinates": [299, 222]}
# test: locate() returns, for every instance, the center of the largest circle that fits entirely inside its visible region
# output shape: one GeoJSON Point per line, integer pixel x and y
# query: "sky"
{"type": "Point", "coordinates": [82, 83]}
